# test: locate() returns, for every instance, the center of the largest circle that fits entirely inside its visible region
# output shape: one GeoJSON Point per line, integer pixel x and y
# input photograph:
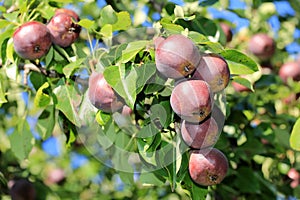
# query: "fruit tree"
{"type": "Point", "coordinates": [149, 99]}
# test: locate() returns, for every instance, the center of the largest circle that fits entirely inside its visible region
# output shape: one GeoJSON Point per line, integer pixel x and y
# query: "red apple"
{"type": "Point", "coordinates": [102, 95]}
{"type": "Point", "coordinates": [63, 29]}
{"type": "Point", "coordinates": [32, 40]}
{"type": "Point", "coordinates": [208, 166]}
{"type": "Point", "coordinates": [176, 56]}
{"type": "Point", "coordinates": [214, 70]}
{"type": "Point", "coordinates": [262, 46]}
{"type": "Point", "coordinates": [200, 136]}
{"type": "Point", "coordinates": [290, 70]}
{"type": "Point", "coordinates": [192, 100]}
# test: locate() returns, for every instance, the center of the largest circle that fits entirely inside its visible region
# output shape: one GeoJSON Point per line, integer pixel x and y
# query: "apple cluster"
{"type": "Point", "coordinates": [33, 39]}
{"type": "Point", "coordinates": [198, 76]}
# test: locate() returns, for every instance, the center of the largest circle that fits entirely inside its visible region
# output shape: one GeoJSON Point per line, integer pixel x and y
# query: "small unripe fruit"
{"type": "Point", "coordinates": [214, 70]}
{"type": "Point", "coordinates": [102, 95]}
{"type": "Point", "coordinates": [176, 56]}
{"type": "Point", "coordinates": [208, 166]}
{"type": "Point", "coordinates": [63, 29]}
{"type": "Point", "coordinates": [262, 46]}
{"type": "Point", "coordinates": [290, 70]}
{"type": "Point", "coordinates": [192, 100]}
{"type": "Point", "coordinates": [32, 40]}
{"type": "Point", "coordinates": [200, 136]}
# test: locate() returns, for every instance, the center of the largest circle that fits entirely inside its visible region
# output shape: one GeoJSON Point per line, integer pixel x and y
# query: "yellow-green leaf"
{"type": "Point", "coordinates": [86, 23]}
{"type": "Point", "coordinates": [295, 136]}
{"type": "Point", "coordinates": [42, 99]}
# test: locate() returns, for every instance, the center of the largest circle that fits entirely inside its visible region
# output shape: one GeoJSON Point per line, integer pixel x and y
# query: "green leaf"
{"type": "Point", "coordinates": [2, 90]}
{"type": "Point", "coordinates": [106, 30]}
{"type": "Point", "coordinates": [171, 27]}
{"type": "Point", "coordinates": [108, 16]}
{"type": "Point", "coordinates": [10, 50]}
{"type": "Point", "coordinates": [70, 68]}
{"type": "Point", "coordinates": [243, 81]}
{"type": "Point", "coordinates": [124, 85]}
{"type": "Point", "coordinates": [123, 21]}
{"type": "Point", "coordinates": [42, 99]}
{"type": "Point", "coordinates": [86, 23]}
{"type": "Point", "coordinates": [5, 35]}
{"type": "Point", "coordinates": [67, 98]}
{"type": "Point", "coordinates": [132, 49]}
{"type": "Point", "coordinates": [21, 140]}
{"type": "Point", "coordinates": [37, 79]}
{"type": "Point", "coordinates": [46, 122]}
{"type": "Point", "coordinates": [238, 62]}
{"type": "Point", "coordinates": [247, 182]}
{"type": "Point", "coordinates": [295, 136]}
{"type": "Point", "coordinates": [4, 23]}
{"type": "Point", "coordinates": [144, 73]}
{"type": "Point", "coordinates": [11, 16]}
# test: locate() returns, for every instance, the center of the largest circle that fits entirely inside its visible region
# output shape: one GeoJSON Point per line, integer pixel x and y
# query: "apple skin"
{"type": "Point", "coordinates": [63, 29]}
{"type": "Point", "coordinates": [207, 166]}
{"type": "Point", "coordinates": [200, 136]}
{"type": "Point", "coordinates": [239, 87]}
{"type": "Point", "coordinates": [67, 11]}
{"type": "Point", "coordinates": [192, 100]}
{"type": "Point", "coordinates": [176, 56]}
{"type": "Point", "coordinates": [32, 40]}
{"type": "Point", "coordinates": [214, 70]}
{"type": "Point", "coordinates": [290, 70]}
{"type": "Point", "coordinates": [262, 46]}
{"type": "Point", "coordinates": [227, 31]}
{"type": "Point", "coordinates": [22, 189]}
{"type": "Point", "coordinates": [102, 95]}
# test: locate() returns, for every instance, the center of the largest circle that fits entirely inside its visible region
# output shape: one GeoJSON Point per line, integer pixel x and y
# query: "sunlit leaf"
{"type": "Point", "coordinates": [124, 85]}
{"type": "Point", "coordinates": [108, 16]}
{"type": "Point", "coordinates": [42, 99]}
{"type": "Point", "coordinates": [86, 23]}
{"type": "Point", "coordinates": [295, 136]}
{"type": "Point", "coordinates": [123, 21]}
{"type": "Point", "coordinates": [132, 49]}
{"type": "Point", "coordinates": [238, 62]}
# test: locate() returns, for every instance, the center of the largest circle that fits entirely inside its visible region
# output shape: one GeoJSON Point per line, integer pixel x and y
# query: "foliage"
{"type": "Point", "coordinates": [47, 122]}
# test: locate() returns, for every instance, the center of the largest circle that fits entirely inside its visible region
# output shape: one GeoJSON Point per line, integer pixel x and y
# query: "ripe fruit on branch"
{"type": "Point", "coordinates": [200, 136]}
{"type": "Point", "coordinates": [192, 100]}
{"type": "Point", "coordinates": [63, 29]}
{"type": "Point", "coordinates": [32, 40]}
{"type": "Point", "coordinates": [102, 95]}
{"type": "Point", "coordinates": [207, 166]}
{"type": "Point", "coordinates": [262, 46]}
{"type": "Point", "coordinates": [290, 70]}
{"type": "Point", "coordinates": [214, 70]}
{"type": "Point", "coordinates": [176, 56]}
